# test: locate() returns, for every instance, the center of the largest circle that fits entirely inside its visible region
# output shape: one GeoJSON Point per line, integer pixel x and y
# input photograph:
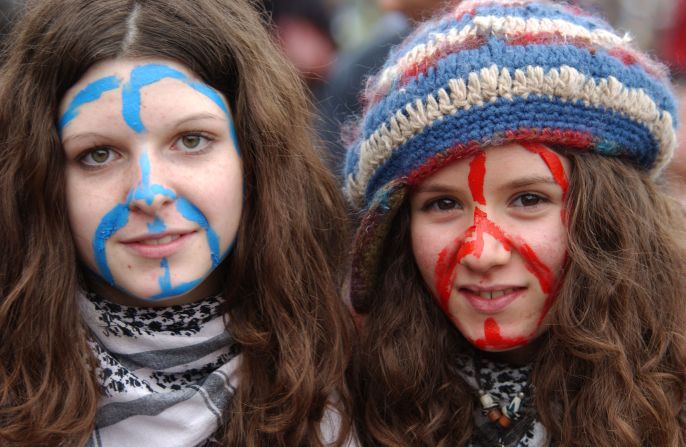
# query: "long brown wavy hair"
{"type": "Point", "coordinates": [609, 371]}
{"type": "Point", "coordinates": [282, 286]}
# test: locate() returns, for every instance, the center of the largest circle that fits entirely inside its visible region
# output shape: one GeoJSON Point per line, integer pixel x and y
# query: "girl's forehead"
{"type": "Point", "coordinates": [501, 161]}
{"type": "Point", "coordinates": [128, 80]}
{"type": "Point", "coordinates": [113, 73]}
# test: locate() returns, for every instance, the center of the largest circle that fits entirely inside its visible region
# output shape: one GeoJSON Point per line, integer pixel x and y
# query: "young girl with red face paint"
{"type": "Point", "coordinates": [518, 272]}
{"type": "Point", "coordinates": [170, 239]}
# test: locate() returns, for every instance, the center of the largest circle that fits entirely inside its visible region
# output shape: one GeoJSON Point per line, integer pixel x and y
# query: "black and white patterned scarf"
{"type": "Point", "coordinates": [166, 373]}
{"type": "Point", "coordinates": [502, 381]}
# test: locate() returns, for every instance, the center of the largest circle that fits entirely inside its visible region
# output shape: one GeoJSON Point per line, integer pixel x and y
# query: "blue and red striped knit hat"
{"type": "Point", "coordinates": [486, 73]}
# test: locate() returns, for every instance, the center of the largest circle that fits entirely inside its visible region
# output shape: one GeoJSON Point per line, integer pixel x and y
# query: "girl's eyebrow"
{"type": "Point", "coordinates": [80, 136]}
{"type": "Point", "coordinates": [527, 181]}
{"type": "Point", "coordinates": [435, 188]}
{"type": "Point", "coordinates": [175, 124]}
{"type": "Point", "coordinates": [197, 117]}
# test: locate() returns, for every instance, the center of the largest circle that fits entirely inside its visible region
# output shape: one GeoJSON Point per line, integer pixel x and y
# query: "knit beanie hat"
{"type": "Point", "coordinates": [491, 72]}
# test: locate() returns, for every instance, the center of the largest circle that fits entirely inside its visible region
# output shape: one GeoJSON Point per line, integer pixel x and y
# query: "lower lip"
{"type": "Point", "coordinates": [491, 307]}
{"type": "Point", "coordinates": [159, 251]}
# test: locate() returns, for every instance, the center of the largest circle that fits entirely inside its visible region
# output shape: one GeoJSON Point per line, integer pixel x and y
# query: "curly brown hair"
{"type": "Point", "coordinates": [609, 371]}
{"type": "Point", "coordinates": [284, 303]}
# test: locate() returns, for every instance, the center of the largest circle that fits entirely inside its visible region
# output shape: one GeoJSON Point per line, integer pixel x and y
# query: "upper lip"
{"type": "Point", "coordinates": [153, 236]}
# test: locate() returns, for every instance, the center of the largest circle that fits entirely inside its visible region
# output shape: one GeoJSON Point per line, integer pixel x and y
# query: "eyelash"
{"type": "Point", "coordinates": [433, 204]}
{"type": "Point", "coordinates": [198, 134]}
{"type": "Point", "coordinates": [538, 197]}
{"type": "Point", "coordinates": [95, 166]}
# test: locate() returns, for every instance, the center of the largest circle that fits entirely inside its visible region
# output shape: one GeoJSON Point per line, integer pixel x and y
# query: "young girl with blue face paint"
{"type": "Point", "coordinates": [168, 275]}
{"type": "Point", "coordinates": [518, 270]}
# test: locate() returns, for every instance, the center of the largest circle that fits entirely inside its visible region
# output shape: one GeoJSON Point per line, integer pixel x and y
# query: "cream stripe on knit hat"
{"type": "Point", "coordinates": [506, 27]}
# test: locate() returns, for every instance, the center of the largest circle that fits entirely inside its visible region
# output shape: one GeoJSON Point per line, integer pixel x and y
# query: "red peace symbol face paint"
{"type": "Point", "coordinates": [489, 237]}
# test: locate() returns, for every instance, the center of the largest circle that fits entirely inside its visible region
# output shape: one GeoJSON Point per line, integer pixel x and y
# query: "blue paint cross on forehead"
{"type": "Point", "coordinates": [145, 191]}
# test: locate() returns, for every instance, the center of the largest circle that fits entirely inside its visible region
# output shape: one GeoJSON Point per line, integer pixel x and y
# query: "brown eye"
{"type": "Point", "coordinates": [528, 199]}
{"type": "Point", "coordinates": [445, 204]}
{"type": "Point", "coordinates": [442, 204]}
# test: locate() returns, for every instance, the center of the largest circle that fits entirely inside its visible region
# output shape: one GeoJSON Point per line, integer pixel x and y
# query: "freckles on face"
{"type": "Point", "coordinates": [489, 238]}
{"type": "Point", "coordinates": [154, 177]}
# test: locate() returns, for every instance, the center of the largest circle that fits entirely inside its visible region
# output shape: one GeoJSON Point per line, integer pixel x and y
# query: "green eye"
{"type": "Point", "coordinates": [193, 143]}
{"type": "Point", "coordinates": [190, 141]}
{"type": "Point", "coordinates": [100, 155]}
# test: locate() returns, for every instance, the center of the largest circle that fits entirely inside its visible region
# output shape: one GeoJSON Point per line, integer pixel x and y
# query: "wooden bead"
{"type": "Point", "coordinates": [504, 421]}
{"type": "Point", "coordinates": [494, 414]}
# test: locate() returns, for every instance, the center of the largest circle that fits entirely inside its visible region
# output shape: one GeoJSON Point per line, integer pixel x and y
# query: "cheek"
{"type": "Point", "coordinates": [434, 251]}
{"type": "Point", "coordinates": [550, 246]}
{"type": "Point", "coordinates": [425, 250]}
{"type": "Point", "coordinates": [221, 198]}
{"type": "Point", "coordinates": [84, 209]}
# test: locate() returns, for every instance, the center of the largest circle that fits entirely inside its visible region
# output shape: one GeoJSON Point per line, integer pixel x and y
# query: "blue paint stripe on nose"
{"type": "Point", "coordinates": [145, 191]}
{"type": "Point", "coordinates": [92, 92]}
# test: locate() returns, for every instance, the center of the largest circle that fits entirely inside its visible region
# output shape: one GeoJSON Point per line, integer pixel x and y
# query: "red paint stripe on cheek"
{"type": "Point", "coordinates": [545, 277]}
{"type": "Point", "coordinates": [492, 338]}
{"type": "Point", "coordinates": [446, 264]}
{"type": "Point", "coordinates": [552, 160]}
{"type": "Point", "coordinates": [477, 172]}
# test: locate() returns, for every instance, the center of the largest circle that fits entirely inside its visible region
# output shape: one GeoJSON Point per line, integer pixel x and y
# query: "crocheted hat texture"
{"type": "Point", "coordinates": [491, 72]}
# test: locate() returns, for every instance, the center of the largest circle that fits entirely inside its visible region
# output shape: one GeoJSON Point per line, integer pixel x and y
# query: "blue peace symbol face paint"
{"type": "Point", "coordinates": [154, 179]}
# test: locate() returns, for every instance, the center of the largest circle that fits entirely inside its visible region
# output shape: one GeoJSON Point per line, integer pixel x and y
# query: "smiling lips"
{"type": "Point", "coordinates": [492, 300]}
{"type": "Point", "coordinates": [159, 245]}
{"type": "Point", "coordinates": [161, 241]}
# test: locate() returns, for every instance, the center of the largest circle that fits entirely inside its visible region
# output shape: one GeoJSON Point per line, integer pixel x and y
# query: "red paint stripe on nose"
{"type": "Point", "coordinates": [484, 225]}
{"type": "Point", "coordinates": [477, 172]}
{"type": "Point", "coordinates": [452, 255]}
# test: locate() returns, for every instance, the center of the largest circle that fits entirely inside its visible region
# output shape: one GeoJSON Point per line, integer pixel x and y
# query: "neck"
{"type": "Point", "coordinates": [520, 356]}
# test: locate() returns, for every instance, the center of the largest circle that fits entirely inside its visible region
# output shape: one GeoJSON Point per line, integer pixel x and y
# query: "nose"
{"type": "Point", "coordinates": [485, 253]}
{"type": "Point", "coordinates": [149, 194]}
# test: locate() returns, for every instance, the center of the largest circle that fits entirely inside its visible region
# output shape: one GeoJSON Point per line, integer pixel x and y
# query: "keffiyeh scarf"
{"type": "Point", "coordinates": [166, 373]}
{"type": "Point", "coordinates": [502, 381]}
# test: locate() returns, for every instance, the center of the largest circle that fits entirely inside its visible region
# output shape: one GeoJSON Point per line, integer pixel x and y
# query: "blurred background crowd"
{"type": "Point", "coordinates": [337, 44]}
